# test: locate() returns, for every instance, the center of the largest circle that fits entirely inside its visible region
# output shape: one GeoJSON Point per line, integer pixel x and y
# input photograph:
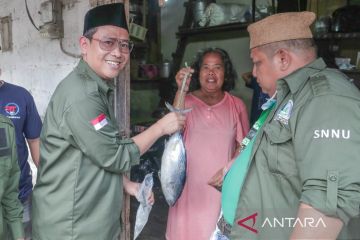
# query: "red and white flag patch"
{"type": "Point", "coordinates": [99, 122]}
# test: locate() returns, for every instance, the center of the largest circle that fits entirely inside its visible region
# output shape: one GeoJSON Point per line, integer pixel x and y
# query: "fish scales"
{"type": "Point", "coordinates": [173, 168]}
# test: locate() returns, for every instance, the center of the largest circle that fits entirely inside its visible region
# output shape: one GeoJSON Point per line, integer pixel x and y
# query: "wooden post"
{"type": "Point", "coordinates": [122, 112]}
{"type": "Point", "coordinates": [122, 103]}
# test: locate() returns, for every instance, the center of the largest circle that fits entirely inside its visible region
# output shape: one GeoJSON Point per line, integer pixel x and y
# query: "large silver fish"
{"type": "Point", "coordinates": [173, 166]}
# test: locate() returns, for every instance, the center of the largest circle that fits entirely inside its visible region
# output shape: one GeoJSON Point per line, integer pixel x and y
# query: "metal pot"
{"type": "Point", "coordinates": [165, 69]}
{"type": "Point", "coordinates": [322, 25]}
{"type": "Point", "coordinates": [346, 19]}
{"type": "Point", "coordinates": [199, 7]}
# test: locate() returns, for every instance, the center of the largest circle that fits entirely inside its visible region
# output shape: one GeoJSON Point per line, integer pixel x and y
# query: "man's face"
{"type": "Point", "coordinates": [212, 73]}
{"type": "Point", "coordinates": [265, 70]}
{"type": "Point", "coordinates": [106, 63]}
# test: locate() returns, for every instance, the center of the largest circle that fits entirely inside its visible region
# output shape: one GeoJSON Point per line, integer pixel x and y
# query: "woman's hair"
{"type": "Point", "coordinates": [229, 73]}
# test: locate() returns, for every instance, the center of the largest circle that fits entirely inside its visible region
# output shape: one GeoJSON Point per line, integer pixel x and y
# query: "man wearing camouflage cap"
{"type": "Point", "coordinates": [297, 176]}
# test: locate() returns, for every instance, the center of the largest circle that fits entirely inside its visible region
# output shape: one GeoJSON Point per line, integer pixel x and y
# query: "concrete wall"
{"type": "Point", "coordinates": [37, 63]}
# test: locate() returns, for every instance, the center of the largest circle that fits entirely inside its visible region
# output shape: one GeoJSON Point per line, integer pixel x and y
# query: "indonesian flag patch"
{"type": "Point", "coordinates": [99, 122]}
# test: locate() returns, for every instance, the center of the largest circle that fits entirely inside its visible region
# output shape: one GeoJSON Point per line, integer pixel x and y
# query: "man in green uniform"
{"type": "Point", "coordinates": [11, 210]}
{"type": "Point", "coordinates": [302, 176]}
{"type": "Point", "coordinates": [82, 157]}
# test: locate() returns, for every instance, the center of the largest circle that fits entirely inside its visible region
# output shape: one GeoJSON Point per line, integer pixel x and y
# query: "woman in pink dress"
{"type": "Point", "coordinates": [212, 135]}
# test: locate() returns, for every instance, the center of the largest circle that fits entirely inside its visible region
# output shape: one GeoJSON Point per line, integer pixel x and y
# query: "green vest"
{"type": "Point", "coordinates": [11, 210]}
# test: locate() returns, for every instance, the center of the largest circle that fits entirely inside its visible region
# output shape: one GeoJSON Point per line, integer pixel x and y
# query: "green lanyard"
{"type": "Point", "coordinates": [255, 128]}
{"type": "Point", "coordinates": [235, 177]}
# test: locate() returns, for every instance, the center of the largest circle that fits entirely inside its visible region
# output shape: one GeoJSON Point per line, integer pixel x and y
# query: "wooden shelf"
{"type": "Point", "coordinates": [352, 71]}
{"type": "Point", "coordinates": [333, 35]}
{"type": "Point", "coordinates": [144, 82]}
{"type": "Point", "coordinates": [148, 81]}
{"type": "Point", "coordinates": [354, 75]}
{"type": "Point", "coordinates": [212, 29]}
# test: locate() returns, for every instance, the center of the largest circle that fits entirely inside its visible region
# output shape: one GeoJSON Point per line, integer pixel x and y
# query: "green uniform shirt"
{"type": "Point", "coordinates": [11, 210]}
{"type": "Point", "coordinates": [78, 194]}
{"type": "Point", "coordinates": [307, 151]}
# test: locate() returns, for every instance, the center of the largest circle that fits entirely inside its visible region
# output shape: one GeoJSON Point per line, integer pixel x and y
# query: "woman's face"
{"type": "Point", "coordinates": [212, 73]}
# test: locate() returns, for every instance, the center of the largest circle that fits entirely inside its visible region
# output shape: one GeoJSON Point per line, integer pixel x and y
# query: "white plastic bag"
{"type": "Point", "coordinates": [217, 234]}
{"type": "Point", "coordinates": [217, 14]}
{"type": "Point", "coordinates": [144, 209]}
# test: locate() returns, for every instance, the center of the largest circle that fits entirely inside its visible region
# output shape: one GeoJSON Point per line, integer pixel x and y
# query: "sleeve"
{"type": "Point", "coordinates": [189, 104]}
{"type": "Point", "coordinates": [32, 125]}
{"type": "Point", "coordinates": [101, 144]}
{"type": "Point", "coordinates": [242, 120]}
{"type": "Point", "coordinates": [326, 143]}
{"type": "Point", "coordinates": [12, 207]}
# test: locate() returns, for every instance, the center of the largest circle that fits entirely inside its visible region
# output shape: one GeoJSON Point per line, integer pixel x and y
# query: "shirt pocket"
{"type": "Point", "coordinates": [5, 153]}
{"type": "Point", "coordinates": [280, 153]}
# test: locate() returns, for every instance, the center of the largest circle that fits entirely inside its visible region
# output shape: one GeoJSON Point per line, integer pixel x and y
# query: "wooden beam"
{"type": "Point", "coordinates": [122, 112]}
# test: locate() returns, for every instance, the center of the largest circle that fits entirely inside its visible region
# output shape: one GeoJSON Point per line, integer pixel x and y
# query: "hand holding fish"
{"type": "Point", "coordinates": [183, 78]}
{"type": "Point", "coordinates": [171, 123]}
{"type": "Point", "coordinates": [185, 72]}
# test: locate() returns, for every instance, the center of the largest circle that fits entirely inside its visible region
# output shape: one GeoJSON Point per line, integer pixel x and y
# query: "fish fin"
{"type": "Point", "coordinates": [186, 110]}
{"type": "Point", "coordinates": [173, 109]}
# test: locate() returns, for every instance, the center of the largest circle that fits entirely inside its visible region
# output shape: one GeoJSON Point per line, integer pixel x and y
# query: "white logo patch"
{"type": "Point", "coordinates": [284, 115]}
{"type": "Point", "coordinates": [332, 133]}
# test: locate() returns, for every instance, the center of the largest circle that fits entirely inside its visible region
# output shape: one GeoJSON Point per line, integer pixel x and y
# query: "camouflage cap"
{"type": "Point", "coordinates": [280, 27]}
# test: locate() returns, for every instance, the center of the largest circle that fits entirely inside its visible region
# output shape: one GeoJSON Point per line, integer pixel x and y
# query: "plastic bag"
{"type": "Point", "coordinates": [217, 234]}
{"type": "Point", "coordinates": [217, 14]}
{"type": "Point", "coordinates": [144, 209]}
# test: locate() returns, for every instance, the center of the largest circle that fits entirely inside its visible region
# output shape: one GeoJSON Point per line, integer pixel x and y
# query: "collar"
{"type": "Point", "coordinates": [84, 69]}
{"type": "Point", "coordinates": [2, 82]}
{"type": "Point", "coordinates": [297, 79]}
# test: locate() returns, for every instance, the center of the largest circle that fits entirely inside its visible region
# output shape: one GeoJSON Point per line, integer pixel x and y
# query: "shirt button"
{"type": "Point", "coordinates": [333, 178]}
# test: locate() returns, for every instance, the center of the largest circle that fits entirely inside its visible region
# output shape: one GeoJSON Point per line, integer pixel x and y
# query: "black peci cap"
{"type": "Point", "coordinates": [109, 14]}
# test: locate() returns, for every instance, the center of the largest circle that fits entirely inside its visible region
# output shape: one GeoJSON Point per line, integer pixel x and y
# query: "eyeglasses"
{"type": "Point", "coordinates": [110, 44]}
